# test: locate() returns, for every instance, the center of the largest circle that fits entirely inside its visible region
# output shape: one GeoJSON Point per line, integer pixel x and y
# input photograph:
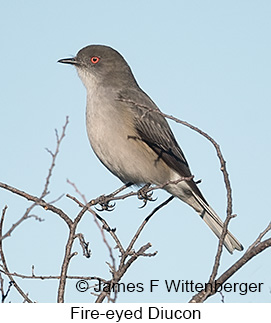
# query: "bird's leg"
{"type": "Point", "coordinates": [123, 187]}
{"type": "Point", "coordinates": [145, 195]}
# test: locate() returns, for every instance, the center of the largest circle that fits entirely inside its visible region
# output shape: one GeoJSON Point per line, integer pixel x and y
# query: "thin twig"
{"type": "Point", "coordinates": [38, 201]}
{"type": "Point", "coordinates": [139, 230]}
{"type": "Point", "coordinates": [54, 156]}
{"type": "Point", "coordinates": [5, 294]}
{"type": "Point", "coordinates": [45, 190]}
{"type": "Point", "coordinates": [259, 239]}
{"type": "Point", "coordinates": [219, 251]}
{"type": "Point", "coordinates": [122, 270]}
{"type": "Point", "coordinates": [16, 224]}
{"type": "Point", "coordinates": [3, 259]}
{"type": "Point", "coordinates": [57, 277]}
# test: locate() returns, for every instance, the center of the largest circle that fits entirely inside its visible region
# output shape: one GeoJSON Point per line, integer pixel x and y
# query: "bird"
{"type": "Point", "coordinates": [131, 138]}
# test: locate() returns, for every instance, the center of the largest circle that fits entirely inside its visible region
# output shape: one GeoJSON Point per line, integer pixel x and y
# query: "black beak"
{"type": "Point", "coordinates": [72, 61]}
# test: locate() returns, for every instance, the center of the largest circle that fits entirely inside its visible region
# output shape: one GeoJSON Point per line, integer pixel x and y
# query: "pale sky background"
{"type": "Point", "coordinates": [206, 62]}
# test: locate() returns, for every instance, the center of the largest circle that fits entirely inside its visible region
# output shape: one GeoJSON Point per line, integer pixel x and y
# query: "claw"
{"type": "Point", "coordinates": [143, 205]}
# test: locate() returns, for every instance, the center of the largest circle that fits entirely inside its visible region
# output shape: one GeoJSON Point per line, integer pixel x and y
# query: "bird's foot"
{"type": "Point", "coordinates": [104, 201]}
{"type": "Point", "coordinates": [145, 195]}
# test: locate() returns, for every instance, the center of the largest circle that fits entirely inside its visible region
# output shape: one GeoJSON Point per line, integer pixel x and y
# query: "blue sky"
{"type": "Point", "coordinates": [206, 62]}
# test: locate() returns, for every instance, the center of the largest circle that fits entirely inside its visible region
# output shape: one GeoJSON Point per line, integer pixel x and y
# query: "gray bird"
{"type": "Point", "coordinates": [130, 138]}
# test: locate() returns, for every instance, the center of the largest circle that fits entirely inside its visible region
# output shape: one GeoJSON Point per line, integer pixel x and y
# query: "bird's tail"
{"type": "Point", "coordinates": [216, 225]}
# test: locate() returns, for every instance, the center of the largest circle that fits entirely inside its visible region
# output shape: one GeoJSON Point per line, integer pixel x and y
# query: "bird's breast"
{"type": "Point", "coordinates": [112, 135]}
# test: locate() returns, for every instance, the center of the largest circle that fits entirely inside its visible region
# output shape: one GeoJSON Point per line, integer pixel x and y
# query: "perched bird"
{"type": "Point", "coordinates": [130, 138]}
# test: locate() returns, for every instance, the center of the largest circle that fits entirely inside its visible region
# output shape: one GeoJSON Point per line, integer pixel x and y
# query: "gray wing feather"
{"type": "Point", "coordinates": [153, 129]}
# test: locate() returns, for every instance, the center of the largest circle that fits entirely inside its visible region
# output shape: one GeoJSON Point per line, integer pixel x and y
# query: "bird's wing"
{"type": "Point", "coordinates": [153, 129]}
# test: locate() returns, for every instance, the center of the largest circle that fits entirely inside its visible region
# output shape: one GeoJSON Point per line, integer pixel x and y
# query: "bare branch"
{"type": "Point", "coordinates": [45, 277]}
{"type": "Point", "coordinates": [135, 237]}
{"type": "Point", "coordinates": [256, 248]}
{"type": "Point", "coordinates": [54, 156]}
{"type": "Point", "coordinates": [3, 293]}
{"type": "Point", "coordinates": [259, 239]}
{"type": "Point", "coordinates": [220, 248]}
{"type": "Point", "coordinates": [16, 224]}
{"type": "Point", "coordinates": [86, 207]}
{"type": "Point", "coordinates": [37, 201]}
{"type": "Point", "coordinates": [4, 264]}
{"type": "Point", "coordinates": [122, 270]}
{"type": "Point", "coordinates": [65, 264]}
{"type": "Point", "coordinates": [123, 266]}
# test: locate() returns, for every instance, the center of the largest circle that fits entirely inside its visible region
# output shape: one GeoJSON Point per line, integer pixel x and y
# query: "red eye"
{"type": "Point", "coordinates": [95, 59]}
